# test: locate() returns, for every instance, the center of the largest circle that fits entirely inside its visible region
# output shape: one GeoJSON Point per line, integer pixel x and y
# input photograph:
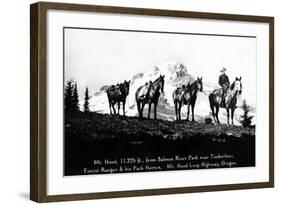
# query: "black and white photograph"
{"type": "Point", "coordinates": [151, 101]}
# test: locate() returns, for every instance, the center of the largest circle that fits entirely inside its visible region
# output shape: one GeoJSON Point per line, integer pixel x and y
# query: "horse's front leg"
{"type": "Point", "coordinates": [112, 105]}
{"type": "Point", "coordinates": [217, 114]}
{"type": "Point", "coordinates": [232, 115]}
{"type": "Point", "coordinates": [227, 110]}
{"type": "Point", "coordinates": [192, 109]}
{"type": "Point", "coordinates": [188, 109]}
{"type": "Point", "coordinates": [124, 103]}
{"type": "Point", "coordinates": [149, 109]}
{"type": "Point", "coordinates": [155, 111]}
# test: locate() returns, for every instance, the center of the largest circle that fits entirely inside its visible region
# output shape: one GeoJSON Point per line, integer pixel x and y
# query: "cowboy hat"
{"type": "Point", "coordinates": [223, 69]}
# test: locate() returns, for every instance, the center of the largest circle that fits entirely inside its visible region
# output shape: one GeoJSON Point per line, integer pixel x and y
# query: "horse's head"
{"type": "Point", "coordinates": [161, 83]}
{"type": "Point", "coordinates": [238, 85]}
{"type": "Point", "coordinates": [126, 87]}
{"type": "Point", "coordinates": [199, 84]}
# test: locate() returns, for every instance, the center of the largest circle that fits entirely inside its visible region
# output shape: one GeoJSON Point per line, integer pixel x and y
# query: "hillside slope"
{"type": "Point", "coordinates": [95, 136]}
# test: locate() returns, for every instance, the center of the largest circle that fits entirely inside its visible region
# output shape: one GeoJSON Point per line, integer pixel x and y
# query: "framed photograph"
{"type": "Point", "coordinates": [134, 102]}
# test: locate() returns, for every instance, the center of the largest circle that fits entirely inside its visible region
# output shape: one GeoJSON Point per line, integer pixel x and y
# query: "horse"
{"type": "Point", "coordinates": [179, 95]}
{"type": "Point", "coordinates": [118, 94]}
{"type": "Point", "coordinates": [187, 97]}
{"type": "Point", "coordinates": [151, 96]}
{"type": "Point", "coordinates": [231, 95]}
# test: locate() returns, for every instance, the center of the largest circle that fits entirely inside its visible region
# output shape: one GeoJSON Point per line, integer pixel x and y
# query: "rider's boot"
{"type": "Point", "coordinates": [222, 102]}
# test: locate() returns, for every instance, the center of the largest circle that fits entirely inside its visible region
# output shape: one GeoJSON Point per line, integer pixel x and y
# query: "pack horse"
{"type": "Point", "coordinates": [187, 95]}
{"type": "Point", "coordinates": [118, 94]}
{"type": "Point", "coordinates": [149, 94]}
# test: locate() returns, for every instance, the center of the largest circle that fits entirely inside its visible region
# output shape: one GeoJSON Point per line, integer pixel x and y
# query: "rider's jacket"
{"type": "Point", "coordinates": [223, 80]}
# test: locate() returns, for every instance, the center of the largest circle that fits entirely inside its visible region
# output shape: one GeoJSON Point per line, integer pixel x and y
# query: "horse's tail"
{"type": "Point", "coordinates": [174, 95]}
{"type": "Point", "coordinates": [138, 101]}
{"type": "Point", "coordinates": [211, 95]}
{"type": "Point", "coordinates": [211, 101]}
{"type": "Point", "coordinates": [137, 94]}
{"type": "Point", "coordinates": [108, 94]}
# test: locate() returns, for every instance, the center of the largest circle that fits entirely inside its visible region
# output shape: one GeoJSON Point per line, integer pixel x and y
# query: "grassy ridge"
{"type": "Point", "coordinates": [98, 136]}
{"type": "Point", "coordinates": [96, 125]}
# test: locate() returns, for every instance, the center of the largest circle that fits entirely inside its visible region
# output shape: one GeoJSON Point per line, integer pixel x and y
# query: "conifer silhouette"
{"type": "Point", "coordinates": [86, 102]}
{"type": "Point", "coordinates": [245, 119]}
{"type": "Point", "coordinates": [71, 98]}
{"type": "Point", "coordinates": [68, 96]}
{"type": "Point", "coordinates": [75, 98]}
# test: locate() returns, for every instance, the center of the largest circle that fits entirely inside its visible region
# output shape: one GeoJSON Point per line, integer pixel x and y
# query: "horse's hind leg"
{"type": "Point", "coordinates": [124, 103]}
{"type": "Point", "coordinates": [141, 109]}
{"type": "Point", "coordinates": [179, 111]}
{"type": "Point", "coordinates": [138, 106]}
{"type": "Point", "coordinates": [188, 109]}
{"type": "Point", "coordinates": [118, 104]}
{"type": "Point", "coordinates": [213, 113]}
{"type": "Point", "coordinates": [212, 106]}
{"type": "Point", "coordinates": [227, 111]}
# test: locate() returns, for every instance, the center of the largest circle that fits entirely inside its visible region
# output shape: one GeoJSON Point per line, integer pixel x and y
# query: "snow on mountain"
{"type": "Point", "coordinates": [176, 74]}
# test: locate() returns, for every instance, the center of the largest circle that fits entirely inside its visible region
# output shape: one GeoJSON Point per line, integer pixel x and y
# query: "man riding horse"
{"type": "Point", "coordinates": [224, 83]}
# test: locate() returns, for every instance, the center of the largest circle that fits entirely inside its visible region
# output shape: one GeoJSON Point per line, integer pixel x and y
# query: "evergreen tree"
{"type": "Point", "coordinates": [245, 119]}
{"type": "Point", "coordinates": [68, 96]}
{"type": "Point", "coordinates": [86, 101]}
{"type": "Point", "coordinates": [71, 98]}
{"type": "Point", "coordinates": [75, 99]}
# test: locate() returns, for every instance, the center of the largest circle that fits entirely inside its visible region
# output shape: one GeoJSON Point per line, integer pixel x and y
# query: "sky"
{"type": "Point", "coordinates": [95, 58]}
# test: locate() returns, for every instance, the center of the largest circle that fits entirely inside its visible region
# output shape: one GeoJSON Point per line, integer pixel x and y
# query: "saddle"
{"type": "Point", "coordinates": [181, 91]}
{"type": "Point", "coordinates": [144, 91]}
{"type": "Point", "coordinates": [115, 89]}
{"type": "Point", "coordinates": [219, 92]}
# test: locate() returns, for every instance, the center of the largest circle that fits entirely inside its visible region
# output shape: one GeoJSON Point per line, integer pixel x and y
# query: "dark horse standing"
{"type": "Point", "coordinates": [231, 96]}
{"type": "Point", "coordinates": [187, 96]}
{"type": "Point", "coordinates": [118, 94]}
{"type": "Point", "coordinates": [150, 96]}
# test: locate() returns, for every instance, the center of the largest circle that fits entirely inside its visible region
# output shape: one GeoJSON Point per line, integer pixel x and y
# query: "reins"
{"type": "Point", "coordinates": [205, 92]}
